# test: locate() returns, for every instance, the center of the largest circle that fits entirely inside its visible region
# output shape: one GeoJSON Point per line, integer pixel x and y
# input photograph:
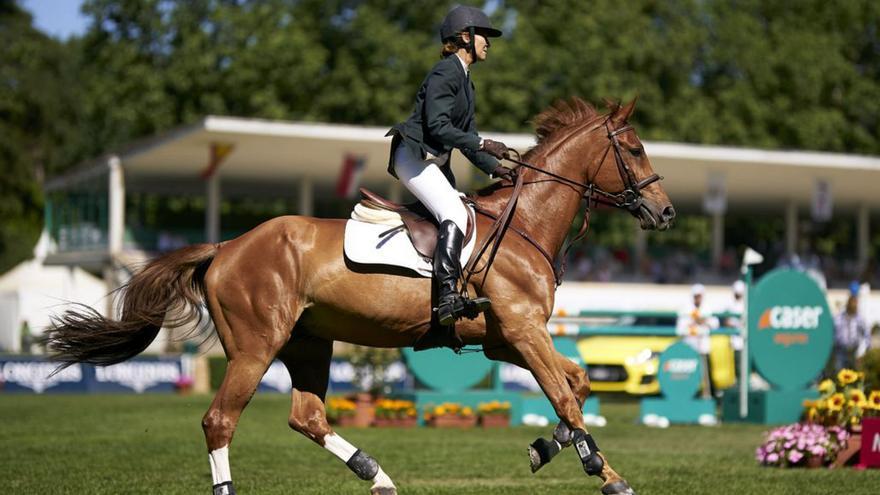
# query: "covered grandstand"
{"type": "Point", "coordinates": [95, 214]}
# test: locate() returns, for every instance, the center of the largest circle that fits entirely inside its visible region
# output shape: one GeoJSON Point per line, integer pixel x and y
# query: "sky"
{"type": "Point", "coordinates": [58, 18]}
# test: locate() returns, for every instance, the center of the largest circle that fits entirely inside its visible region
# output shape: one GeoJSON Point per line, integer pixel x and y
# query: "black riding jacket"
{"type": "Point", "coordinates": [443, 118]}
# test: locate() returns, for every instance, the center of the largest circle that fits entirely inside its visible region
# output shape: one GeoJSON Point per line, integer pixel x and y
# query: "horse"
{"type": "Point", "coordinates": [285, 290]}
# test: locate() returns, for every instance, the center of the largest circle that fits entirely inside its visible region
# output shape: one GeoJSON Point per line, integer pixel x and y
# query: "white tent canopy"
{"type": "Point", "coordinates": [31, 292]}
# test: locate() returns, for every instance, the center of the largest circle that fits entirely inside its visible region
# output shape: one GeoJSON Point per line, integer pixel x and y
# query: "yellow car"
{"type": "Point", "coordinates": [628, 363]}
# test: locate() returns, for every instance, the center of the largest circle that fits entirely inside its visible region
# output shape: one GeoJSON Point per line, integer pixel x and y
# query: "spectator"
{"type": "Point", "coordinates": [694, 324]}
{"type": "Point", "coordinates": [852, 337]}
{"type": "Point", "coordinates": [735, 310]}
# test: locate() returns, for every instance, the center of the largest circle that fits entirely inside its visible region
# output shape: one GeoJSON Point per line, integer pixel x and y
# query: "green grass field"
{"type": "Point", "coordinates": [154, 444]}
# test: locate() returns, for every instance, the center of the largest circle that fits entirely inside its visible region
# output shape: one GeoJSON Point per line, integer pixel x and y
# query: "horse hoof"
{"type": "Point", "coordinates": [383, 490]}
{"type": "Point", "coordinates": [619, 487]}
{"type": "Point", "coordinates": [541, 452]}
{"type": "Point", "coordinates": [534, 460]}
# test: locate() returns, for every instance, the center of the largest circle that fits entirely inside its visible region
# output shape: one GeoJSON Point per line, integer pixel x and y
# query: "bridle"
{"type": "Point", "coordinates": [630, 199]}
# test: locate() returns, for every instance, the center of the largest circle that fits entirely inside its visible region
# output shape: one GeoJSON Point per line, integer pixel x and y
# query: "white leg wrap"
{"type": "Point", "coordinates": [219, 460]}
{"type": "Point", "coordinates": [339, 446]}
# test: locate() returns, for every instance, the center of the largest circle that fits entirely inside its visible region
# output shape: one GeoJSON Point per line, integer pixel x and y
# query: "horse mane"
{"type": "Point", "coordinates": [561, 114]}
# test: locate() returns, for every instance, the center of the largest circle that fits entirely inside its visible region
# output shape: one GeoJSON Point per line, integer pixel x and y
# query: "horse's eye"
{"type": "Point", "coordinates": [636, 152]}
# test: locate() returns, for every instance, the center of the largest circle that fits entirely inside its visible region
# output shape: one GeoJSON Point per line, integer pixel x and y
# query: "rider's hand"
{"type": "Point", "coordinates": [504, 173]}
{"type": "Point", "coordinates": [495, 148]}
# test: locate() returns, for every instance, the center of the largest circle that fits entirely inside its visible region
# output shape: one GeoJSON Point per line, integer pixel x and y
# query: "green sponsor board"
{"type": "Point", "coordinates": [790, 329]}
{"type": "Point", "coordinates": [680, 371]}
{"type": "Point", "coordinates": [448, 377]}
{"type": "Point", "coordinates": [445, 371]}
{"type": "Point", "coordinates": [680, 377]}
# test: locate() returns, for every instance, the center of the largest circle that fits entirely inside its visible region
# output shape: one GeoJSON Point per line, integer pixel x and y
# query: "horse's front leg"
{"type": "Point", "coordinates": [534, 348]}
{"type": "Point", "coordinates": [542, 451]}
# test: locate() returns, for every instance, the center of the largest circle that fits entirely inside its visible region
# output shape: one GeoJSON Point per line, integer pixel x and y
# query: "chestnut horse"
{"type": "Point", "coordinates": [284, 290]}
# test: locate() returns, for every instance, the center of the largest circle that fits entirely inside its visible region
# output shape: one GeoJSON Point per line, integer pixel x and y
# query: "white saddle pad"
{"type": "Point", "coordinates": [365, 242]}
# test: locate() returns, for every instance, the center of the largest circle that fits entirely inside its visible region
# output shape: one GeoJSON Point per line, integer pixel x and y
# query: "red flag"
{"type": "Point", "coordinates": [350, 175]}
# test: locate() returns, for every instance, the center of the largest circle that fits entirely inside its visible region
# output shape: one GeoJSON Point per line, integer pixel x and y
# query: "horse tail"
{"type": "Point", "coordinates": [168, 291]}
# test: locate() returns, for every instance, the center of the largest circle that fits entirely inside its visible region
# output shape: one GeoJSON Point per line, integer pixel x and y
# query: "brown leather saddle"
{"type": "Point", "coordinates": [420, 224]}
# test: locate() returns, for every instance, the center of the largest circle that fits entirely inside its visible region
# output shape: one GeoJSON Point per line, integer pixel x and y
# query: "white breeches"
{"type": "Point", "coordinates": [428, 184]}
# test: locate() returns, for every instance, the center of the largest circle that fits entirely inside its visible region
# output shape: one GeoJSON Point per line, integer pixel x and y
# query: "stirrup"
{"type": "Point", "coordinates": [450, 311]}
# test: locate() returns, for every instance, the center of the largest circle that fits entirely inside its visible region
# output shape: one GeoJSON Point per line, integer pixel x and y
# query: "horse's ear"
{"type": "Point", "coordinates": [621, 115]}
{"type": "Point", "coordinates": [611, 105]}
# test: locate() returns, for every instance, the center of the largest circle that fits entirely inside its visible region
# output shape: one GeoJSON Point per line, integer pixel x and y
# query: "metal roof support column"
{"type": "Point", "coordinates": [115, 230]}
{"type": "Point", "coordinates": [791, 228]}
{"type": "Point", "coordinates": [306, 197]}
{"type": "Point", "coordinates": [863, 232]}
{"type": "Point", "coordinates": [212, 208]}
{"type": "Point", "coordinates": [211, 175]}
{"type": "Point", "coordinates": [640, 248]}
{"type": "Point", "coordinates": [717, 239]}
{"type": "Point", "coordinates": [116, 219]}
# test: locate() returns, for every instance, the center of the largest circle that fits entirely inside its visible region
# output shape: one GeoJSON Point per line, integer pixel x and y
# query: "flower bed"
{"type": "Point", "coordinates": [802, 444]}
{"type": "Point", "coordinates": [395, 413]}
{"type": "Point", "coordinates": [843, 401]}
{"type": "Point", "coordinates": [494, 414]}
{"type": "Point", "coordinates": [449, 415]}
{"type": "Point", "coordinates": [341, 411]}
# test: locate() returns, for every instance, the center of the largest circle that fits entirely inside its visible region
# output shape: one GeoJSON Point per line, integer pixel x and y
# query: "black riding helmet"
{"type": "Point", "coordinates": [470, 19]}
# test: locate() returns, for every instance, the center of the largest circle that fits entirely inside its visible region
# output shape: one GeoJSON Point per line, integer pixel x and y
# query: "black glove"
{"type": "Point", "coordinates": [504, 173]}
{"type": "Point", "coordinates": [495, 148]}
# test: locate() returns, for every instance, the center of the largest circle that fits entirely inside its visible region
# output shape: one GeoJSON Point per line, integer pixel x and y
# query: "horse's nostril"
{"type": "Point", "coordinates": [668, 213]}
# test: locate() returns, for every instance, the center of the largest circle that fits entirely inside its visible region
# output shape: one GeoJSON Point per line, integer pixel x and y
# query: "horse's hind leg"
{"type": "Point", "coordinates": [308, 361]}
{"type": "Point", "coordinates": [249, 355]}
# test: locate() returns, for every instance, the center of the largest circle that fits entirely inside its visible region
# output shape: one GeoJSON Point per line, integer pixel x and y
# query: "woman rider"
{"type": "Point", "coordinates": [443, 119]}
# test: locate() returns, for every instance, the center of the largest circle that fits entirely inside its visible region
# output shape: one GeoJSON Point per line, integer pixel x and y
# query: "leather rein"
{"type": "Point", "coordinates": [630, 199]}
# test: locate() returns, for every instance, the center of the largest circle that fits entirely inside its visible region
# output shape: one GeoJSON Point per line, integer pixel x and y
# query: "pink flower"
{"type": "Point", "coordinates": [772, 457]}
{"type": "Point", "coordinates": [795, 456]}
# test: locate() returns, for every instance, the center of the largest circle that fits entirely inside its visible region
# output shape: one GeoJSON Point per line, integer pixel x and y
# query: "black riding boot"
{"type": "Point", "coordinates": [447, 270]}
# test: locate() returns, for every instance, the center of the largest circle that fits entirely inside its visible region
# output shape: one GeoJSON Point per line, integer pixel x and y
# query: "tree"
{"type": "Point", "coordinates": [37, 121]}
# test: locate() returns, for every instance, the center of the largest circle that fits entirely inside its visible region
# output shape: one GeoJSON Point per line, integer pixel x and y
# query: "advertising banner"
{"type": "Point", "coordinates": [791, 329]}
{"type": "Point", "coordinates": [35, 375]}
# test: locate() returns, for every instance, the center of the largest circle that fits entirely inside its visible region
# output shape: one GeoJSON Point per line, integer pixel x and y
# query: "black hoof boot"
{"type": "Point", "coordinates": [224, 488]}
{"type": "Point", "coordinates": [541, 452]}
